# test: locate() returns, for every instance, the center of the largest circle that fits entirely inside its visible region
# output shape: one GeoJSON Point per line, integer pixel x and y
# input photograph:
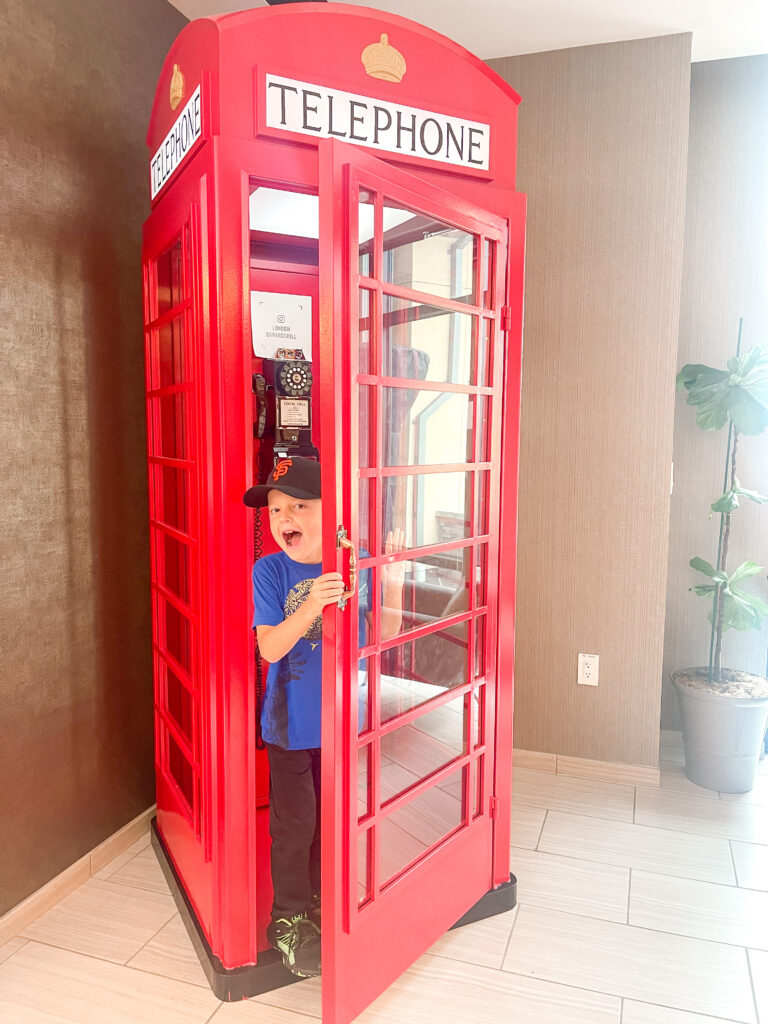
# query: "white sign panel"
{"type": "Point", "coordinates": [330, 113]}
{"type": "Point", "coordinates": [177, 143]}
{"type": "Point", "coordinates": [280, 321]}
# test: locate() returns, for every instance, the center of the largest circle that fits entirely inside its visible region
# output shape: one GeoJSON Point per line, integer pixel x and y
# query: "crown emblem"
{"type": "Point", "coordinates": [177, 87]}
{"type": "Point", "coordinates": [381, 60]}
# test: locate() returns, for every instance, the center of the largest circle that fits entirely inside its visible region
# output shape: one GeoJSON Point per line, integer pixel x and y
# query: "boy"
{"type": "Point", "coordinates": [289, 594]}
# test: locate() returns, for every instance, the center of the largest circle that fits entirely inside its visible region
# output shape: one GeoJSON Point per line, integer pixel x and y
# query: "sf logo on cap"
{"type": "Point", "coordinates": [282, 468]}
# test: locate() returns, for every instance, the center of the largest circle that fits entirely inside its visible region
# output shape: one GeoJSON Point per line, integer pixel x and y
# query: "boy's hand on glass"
{"type": "Point", "coordinates": [326, 589]}
{"type": "Point", "coordinates": [393, 573]}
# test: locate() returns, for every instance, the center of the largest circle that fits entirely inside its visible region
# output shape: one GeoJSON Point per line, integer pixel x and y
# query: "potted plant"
{"type": "Point", "coordinates": [724, 710]}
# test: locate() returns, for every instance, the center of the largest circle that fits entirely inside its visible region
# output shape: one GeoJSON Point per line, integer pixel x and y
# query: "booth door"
{"type": "Point", "coordinates": [411, 292]}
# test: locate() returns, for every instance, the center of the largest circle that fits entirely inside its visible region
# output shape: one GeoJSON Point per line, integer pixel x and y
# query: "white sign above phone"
{"type": "Point", "coordinates": [332, 114]}
{"type": "Point", "coordinates": [281, 321]}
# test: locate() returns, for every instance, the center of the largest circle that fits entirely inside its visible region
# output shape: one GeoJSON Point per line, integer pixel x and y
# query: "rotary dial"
{"type": "Point", "coordinates": [296, 378]}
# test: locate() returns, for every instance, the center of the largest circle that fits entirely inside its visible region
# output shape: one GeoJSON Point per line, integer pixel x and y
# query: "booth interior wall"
{"type": "Point", "coordinates": [603, 146]}
{"type": "Point", "coordinates": [75, 652]}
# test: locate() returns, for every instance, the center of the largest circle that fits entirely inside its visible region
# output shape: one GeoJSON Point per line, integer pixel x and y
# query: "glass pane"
{"type": "Point", "coordinates": [366, 240]}
{"type": "Point", "coordinates": [427, 255]}
{"type": "Point", "coordinates": [366, 437]}
{"type": "Point", "coordinates": [482, 485]}
{"type": "Point", "coordinates": [481, 575]}
{"type": "Point", "coordinates": [171, 498]}
{"type": "Point", "coordinates": [479, 787]}
{"type": "Point", "coordinates": [483, 428]}
{"type": "Point", "coordinates": [363, 695]}
{"type": "Point", "coordinates": [417, 671]}
{"type": "Point", "coordinates": [422, 428]}
{"type": "Point", "coordinates": [169, 279]}
{"type": "Point", "coordinates": [177, 636]}
{"type": "Point", "coordinates": [484, 349]}
{"type": "Point", "coordinates": [174, 566]}
{"type": "Point", "coordinates": [181, 772]}
{"type": "Point", "coordinates": [172, 440]}
{"type": "Point", "coordinates": [364, 882]}
{"type": "Point", "coordinates": [435, 587]}
{"type": "Point", "coordinates": [364, 802]}
{"type": "Point", "coordinates": [170, 353]}
{"type": "Point", "coordinates": [478, 725]}
{"type": "Point", "coordinates": [179, 701]}
{"type": "Point", "coordinates": [489, 267]}
{"type": "Point", "coordinates": [412, 829]}
{"type": "Point", "coordinates": [365, 516]}
{"type": "Point", "coordinates": [480, 645]}
{"type": "Point", "coordinates": [423, 342]}
{"type": "Point", "coordinates": [429, 509]}
{"type": "Point", "coordinates": [365, 333]}
{"type": "Point", "coordinates": [416, 750]}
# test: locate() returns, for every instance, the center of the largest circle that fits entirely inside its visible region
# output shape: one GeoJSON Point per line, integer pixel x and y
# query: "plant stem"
{"type": "Point", "coordinates": [726, 534]}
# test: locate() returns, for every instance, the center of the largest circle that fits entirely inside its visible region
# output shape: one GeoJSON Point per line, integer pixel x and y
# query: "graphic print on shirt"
{"type": "Point", "coordinates": [295, 598]}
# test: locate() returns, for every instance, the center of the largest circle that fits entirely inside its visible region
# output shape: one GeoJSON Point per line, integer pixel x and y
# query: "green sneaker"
{"type": "Point", "coordinates": [297, 939]}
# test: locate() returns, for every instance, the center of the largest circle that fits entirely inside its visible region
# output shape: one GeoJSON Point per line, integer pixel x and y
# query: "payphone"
{"type": "Point", "coordinates": [333, 267]}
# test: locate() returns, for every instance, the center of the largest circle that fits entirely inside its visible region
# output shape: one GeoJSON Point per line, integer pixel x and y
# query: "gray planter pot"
{"type": "Point", "coordinates": [722, 737]}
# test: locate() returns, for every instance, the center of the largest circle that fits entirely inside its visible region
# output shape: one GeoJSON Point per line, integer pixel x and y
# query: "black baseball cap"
{"type": "Point", "coordinates": [296, 476]}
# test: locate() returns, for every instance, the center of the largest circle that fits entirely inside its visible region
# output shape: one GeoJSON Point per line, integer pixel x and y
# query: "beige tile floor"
{"type": "Point", "coordinates": [636, 906]}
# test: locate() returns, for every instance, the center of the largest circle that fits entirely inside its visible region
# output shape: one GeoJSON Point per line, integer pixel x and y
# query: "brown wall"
{"type": "Point", "coordinates": [603, 138]}
{"type": "Point", "coordinates": [724, 277]}
{"type": "Point", "coordinates": [76, 692]}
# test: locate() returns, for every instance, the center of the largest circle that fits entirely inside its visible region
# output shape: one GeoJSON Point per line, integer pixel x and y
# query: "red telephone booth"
{"type": "Point", "coordinates": [333, 265]}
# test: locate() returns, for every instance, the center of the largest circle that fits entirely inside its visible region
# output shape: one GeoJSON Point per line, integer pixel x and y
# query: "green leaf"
{"type": "Point", "coordinates": [744, 571]}
{"type": "Point", "coordinates": [704, 589]}
{"type": "Point", "coordinates": [727, 504]}
{"type": "Point", "coordinates": [739, 393]}
{"type": "Point", "coordinates": [742, 611]}
{"type": "Point", "coordinates": [759, 499]}
{"type": "Point", "coordinates": [702, 566]}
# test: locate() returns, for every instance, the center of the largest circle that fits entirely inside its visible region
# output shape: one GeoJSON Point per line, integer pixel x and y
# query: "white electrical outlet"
{"type": "Point", "coordinates": [588, 668]}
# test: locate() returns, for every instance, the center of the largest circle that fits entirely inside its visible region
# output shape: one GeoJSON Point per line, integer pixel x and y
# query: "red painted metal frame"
{"type": "Point", "coordinates": [223, 868]}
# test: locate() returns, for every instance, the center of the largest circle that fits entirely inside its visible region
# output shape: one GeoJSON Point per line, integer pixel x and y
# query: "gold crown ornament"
{"type": "Point", "coordinates": [381, 60]}
{"type": "Point", "coordinates": [177, 87]}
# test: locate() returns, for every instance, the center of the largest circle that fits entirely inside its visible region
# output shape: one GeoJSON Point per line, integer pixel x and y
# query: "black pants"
{"type": "Point", "coordinates": [294, 824]}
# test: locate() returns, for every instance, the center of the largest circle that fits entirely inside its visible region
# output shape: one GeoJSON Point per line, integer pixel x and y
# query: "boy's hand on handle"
{"type": "Point", "coordinates": [326, 589]}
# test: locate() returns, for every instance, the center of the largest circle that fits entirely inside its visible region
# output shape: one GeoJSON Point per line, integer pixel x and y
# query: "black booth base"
{"type": "Point", "coordinates": [231, 985]}
{"type": "Point", "coordinates": [228, 984]}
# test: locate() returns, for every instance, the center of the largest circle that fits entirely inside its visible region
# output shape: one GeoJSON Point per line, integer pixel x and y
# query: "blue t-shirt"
{"type": "Point", "coordinates": [290, 714]}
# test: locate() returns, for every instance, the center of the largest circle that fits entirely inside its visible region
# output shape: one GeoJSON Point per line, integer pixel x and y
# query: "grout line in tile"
{"type": "Point", "coordinates": [664, 1006]}
{"type": "Point", "coordinates": [541, 830]}
{"type": "Point", "coordinates": [109, 877]}
{"type": "Point", "coordinates": [634, 807]}
{"type": "Point", "coordinates": [733, 861]}
{"type": "Point", "coordinates": [585, 814]}
{"type": "Point", "coordinates": [153, 936]}
{"type": "Point", "coordinates": [752, 984]}
{"type": "Point", "coordinates": [629, 894]}
{"type": "Point", "coordinates": [13, 954]}
{"type": "Point", "coordinates": [621, 1011]}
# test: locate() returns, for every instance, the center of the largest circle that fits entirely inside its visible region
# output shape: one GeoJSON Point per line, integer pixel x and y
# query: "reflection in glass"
{"type": "Point", "coordinates": [177, 636]}
{"type": "Point", "coordinates": [422, 428]}
{"type": "Point", "coordinates": [484, 349]}
{"type": "Point", "coordinates": [365, 308]}
{"type": "Point", "coordinates": [365, 517]}
{"type": "Point", "coordinates": [412, 829]}
{"type": "Point", "coordinates": [415, 672]}
{"type": "Point", "coordinates": [364, 884]}
{"type": "Point", "coordinates": [172, 440]}
{"type": "Point", "coordinates": [435, 587]}
{"type": "Point", "coordinates": [478, 798]}
{"type": "Point", "coordinates": [365, 211]}
{"type": "Point", "coordinates": [364, 802]}
{"type": "Point", "coordinates": [174, 569]}
{"type": "Point", "coordinates": [181, 771]}
{"type": "Point", "coordinates": [480, 645]}
{"type": "Point", "coordinates": [481, 575]}
{"type": "Point", "coordinates": [172, 497]}
{"type": "Point", "coordinates": [179, 703]}
{"type": "Point", "coordinates": [483, 427]}
{"type": "Point", "coordinates": [170, 353]}
{"type": "Point", "coordinates": [424, 342]}
{"type": "Point", "coordinates": [363, 695]}
{"type": "Point", "coordinates": [489, 264]}
{"type": "Point", "coordinates": [429, 256]}
{"type": "Point", "coordinates": [482, 495]}
{"type": "Point", "coordinates": [365, 436]}
{"type": "Point", "coordinates": [478, 725]}
{"type": "Point", "coordinates": [430, 509]}
{"type": "Point", "coordinates": [169, 279]}
{"type": "Point", "coordinates": [419, 748]}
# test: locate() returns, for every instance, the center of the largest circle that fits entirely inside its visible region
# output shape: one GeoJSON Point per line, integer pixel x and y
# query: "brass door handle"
{"type": "Point", "coordinates": [343, 541]}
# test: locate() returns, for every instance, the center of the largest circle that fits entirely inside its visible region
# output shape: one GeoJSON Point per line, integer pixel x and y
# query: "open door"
{"type": "Point", "coordinates": [412, 284]}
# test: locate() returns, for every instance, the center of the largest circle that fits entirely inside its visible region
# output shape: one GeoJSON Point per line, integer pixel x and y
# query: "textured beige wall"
{"type": "Point", "coordinates": [76, 757]}
{"type": "Point", "coordinates": [602, 156]}
{"type": "Point", "coordinates": [725, 276]}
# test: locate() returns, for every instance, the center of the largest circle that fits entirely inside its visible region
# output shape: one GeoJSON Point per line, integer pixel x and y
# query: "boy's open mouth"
{"type": "Point", "coordinates": [291, 538]}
